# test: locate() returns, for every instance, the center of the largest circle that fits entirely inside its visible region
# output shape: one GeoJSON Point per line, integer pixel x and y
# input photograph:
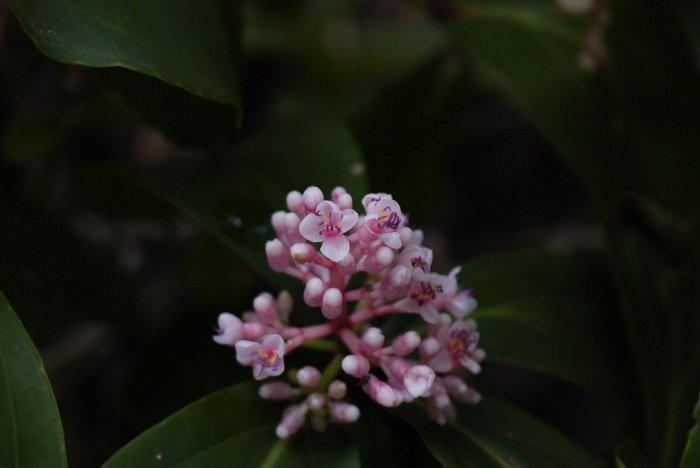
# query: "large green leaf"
{"type": "Point", "coordinates": [531, 50]}
{"type": "Point", "coordinates": [494, 434]}
{"type": "Point", "coordinates": [554, 313]}
{"type": "Point", "coordinates": [691, 455]}
{"type": "Point", "coordinates": [657, 272]}
{"type": "Point", "coordinates": [190, 43]}
{"type": "Point", "coordinates": [30, 427]}
{"type": "Point", "coordinates": [234, 195]}
{"type": "Point", "coordinates": [232, 427]}
{"type": "Point", "coordinates": [655, 79]}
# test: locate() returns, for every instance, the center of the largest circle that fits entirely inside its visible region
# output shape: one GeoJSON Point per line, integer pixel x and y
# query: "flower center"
{"type": "Point", "coordinates": [267, 357]}
{"type": "Point", "coordinates": [459, 342]}
{"type": "Point", "coordinates": [387, 218]}
{"type": "Point", "coordinates": [330, 225]}
{"type": "Point", "coordinates": [426, 292]}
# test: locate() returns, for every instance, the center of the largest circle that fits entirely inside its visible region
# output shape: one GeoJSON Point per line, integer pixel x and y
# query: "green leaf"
{"type": "Point", "coordinates": [628, 456]}
{"type": "Point", "coordinates": [554, 313]}
{"type": "Point", "coordinates": [494, 434]}
{"type": "Point", "coordinates": [232, 427]}
{"type": "Point", "coordinates": [234, 195]}
{"type": "Point", "coordinates": [30, 427]}
{"type": "Point", "coordinates": [691, 455]}
{"type": "Point", "coordinates": [656, 268]}
{"type": "Point", "coordinates": [655, 78]}
{"type": "Point", "coordinates": [190, 43]}
{"type": "Point", "coordinates": [531, 50]}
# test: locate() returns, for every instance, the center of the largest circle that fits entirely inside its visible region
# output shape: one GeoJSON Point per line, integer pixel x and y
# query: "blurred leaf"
{"type": "Point", "coordinates": [53, 275]}
{"type": "Point", "coordinates": [628, 456]}
{"type": "Point", "coordinates": [234, 195]}
{"type": "Point", "coordinates": [655, 77]}
{"type": "Point", "coordinates": [232, 427]}
{"type": "Point", "coordinates": [492, 433]}
{"type": "Point", "coordinates": [27, 139]}
{"type": "Point", "coordinates": [531, 50]}
{"type": "Point", "coordinates": [691, 455]}
{"type": "Point", "coordinates": [182, 117]}
{"type": "Point", "coordinates": [656, 265]}
{"type": "Point", "coordinates": [415, 128]}
{"type": "Point", "coordinates": [191, 44]}
{"type": "Point", "coordinates": [554, 313]}
{"type": "Point", "coordinates": [30, 427]}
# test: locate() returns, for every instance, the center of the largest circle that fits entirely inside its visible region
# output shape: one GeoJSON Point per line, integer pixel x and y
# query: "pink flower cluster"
{"type": "Point", "coordinates": [428, 362]}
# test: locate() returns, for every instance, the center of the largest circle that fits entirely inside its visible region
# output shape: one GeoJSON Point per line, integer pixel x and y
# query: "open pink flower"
{"type": "Point", "coordinates": [459, 343]}
{"type": "Point", "coordinates": [424, 294]}
{"type": "Point", "coordinates": [327, 225]}
{"type": "Point", "coordinates": [384, 219]}
{"type": "Point", "coordinates": [267, 358]}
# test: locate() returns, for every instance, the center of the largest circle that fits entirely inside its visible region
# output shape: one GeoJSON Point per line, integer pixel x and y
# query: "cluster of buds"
{"type": "Point", "coordinates": [428, 362]}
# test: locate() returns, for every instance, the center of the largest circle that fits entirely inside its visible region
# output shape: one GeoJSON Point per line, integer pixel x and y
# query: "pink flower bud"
{"type": "Point", "coordinates": [336, 193]}
{"type": "Point", "coordinates": [381, 392]}
{"type": "Point", "coordinates": [265, 308]}
{"type": "Point", "coordinates": [365, 236]}
{"type": "Point", "coordinates": [406, 343]}
{"type": "Point", "coordinates": [253, 330]}
{"type": "Point", "coordinates": [344, 201]}
{"type": "Point", "coordinates": [308, 376]}
{"type": "Point", "coordinates": [313, 292]}
{"type": "Point", "coordinates": [399, 367]}
{"type": "Point", "coordinates": [303, 252]}
{"type": "Point", "coordinates": [343, 412]}
{"type": "Point", "coordinates": [230, 329]}
{"type": "Point", "coordinates": [372, 340]}
{"type": "Point", "coordinates": [277, 255]}
{"type": "Point", "coordinates": [291, 226]}
{"type": "Point", "coordinates": [285, 304]}
{"type": "Point", "coordinates": [394, 285]}
{"type": "Point", "coordinates": [332, 304]}
{"type": "Point", "coordinates": [429, 347]}
{"type": "Point", "coordinates": [312, 197]}
{"type": "Point", "coordinates": [277, 222]}
{"type": "Point", "coordinates": [316, 401]}
{"type": "Point", "coordinates": [381, 258]}
{"type": "Point", "coordinates": [295, 202]}
{"type": "Point", "coordinates": [277, 391]}
{"type": "Point", "coordinates": [418, 380]}
{"type": "Point", "coordinates": [337, 389]}
{"type": "Point", "coordinates": [356, 365]}
{"type": "Point", "coordinates": [292, 421]}
{"type": "Point", "coordinates": [348, 265]}
{"type": "Point", "coordinates": [405, 235]}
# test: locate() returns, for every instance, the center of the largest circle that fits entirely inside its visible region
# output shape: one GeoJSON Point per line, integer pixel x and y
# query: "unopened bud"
{"type": "Point", "coordinates": [313, 292]}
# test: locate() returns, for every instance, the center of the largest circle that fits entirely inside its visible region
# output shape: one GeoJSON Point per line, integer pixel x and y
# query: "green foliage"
{"type": "Point", "coordinates": [232, 427]}
{"type": "Point", "coordinates": [368, 97]}
{"type": "Point", "coordinates": [30, 428]}
{"type": "Point", "coordinates": [493, 433]}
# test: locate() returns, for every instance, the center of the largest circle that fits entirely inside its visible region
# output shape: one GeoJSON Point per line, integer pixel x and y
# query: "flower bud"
{"type": "Point", "coordinates": [406, 343]}
{"type": "Point", "coordinates": [372, 340]}
{"type": "Point", "coordinates": [303, 252]}
{"type": "Point", "coordinates": [292, 421]}
{"type": "Point", "coordinates": [295, 202]}
{"type": "Point", "coordinates": [316, 401]}
{"type": "Point", "coordinates": [355, 365]}
{"type": "Point", "coordinates": [337, 389]}
{"type": "Point", "coordinates": [332, 304]}
{"type": "Point", "coordinates": [308, 376]}
{"type": "Point", "coordinates": [277, 391]}
{"type": "Point", "coordinates": [381, 392]}
{"type": "Point", "coordinates": [312, 197]}
{"type": "Point", "coordinates": [265, 308]}
{"type": "Point", "coordinates": [343, 412]}
{"type": "Point", "coordinates": [313, 292]}
{"type": "Point", "coordinates": [277, 255]}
